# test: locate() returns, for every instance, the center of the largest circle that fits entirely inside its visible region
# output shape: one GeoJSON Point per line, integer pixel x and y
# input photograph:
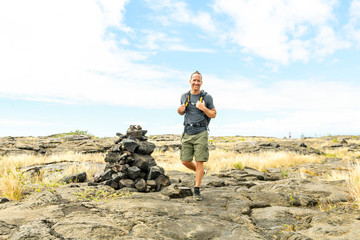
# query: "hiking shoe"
{"type": "Point", "coordinates": [197, 195]}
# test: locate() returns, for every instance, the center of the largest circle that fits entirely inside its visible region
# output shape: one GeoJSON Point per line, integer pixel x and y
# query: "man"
{"type": "Point", "coordinates": [198, 108]}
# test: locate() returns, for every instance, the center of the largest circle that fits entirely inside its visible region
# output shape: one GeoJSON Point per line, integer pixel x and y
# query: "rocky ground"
{"type": "Point", "coordinates": [88, 144]}
{"type": "Point", "coordinates": [54, 144]}
{"type": "Point", "coordinates": [238, 204]}
{"type": "Point", "coordinates": [258, 144]}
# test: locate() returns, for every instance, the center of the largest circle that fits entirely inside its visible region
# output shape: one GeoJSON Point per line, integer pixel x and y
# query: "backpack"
{"type": "Point", "coordinates": [202, 96]}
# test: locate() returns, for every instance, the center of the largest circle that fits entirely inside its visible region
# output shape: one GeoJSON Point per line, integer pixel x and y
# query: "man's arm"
{"type": "Point", "coordinates": [211, 113]}
{"type": "Point", "coordinates": [181, 109]}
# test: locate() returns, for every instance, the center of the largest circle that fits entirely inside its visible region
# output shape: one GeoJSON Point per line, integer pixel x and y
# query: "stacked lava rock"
{"type": "Point", "coordinates": [130, 164]}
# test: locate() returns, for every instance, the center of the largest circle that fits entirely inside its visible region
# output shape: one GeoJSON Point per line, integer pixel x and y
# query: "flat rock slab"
{"type": "Point", "coordinates": [232, 208]}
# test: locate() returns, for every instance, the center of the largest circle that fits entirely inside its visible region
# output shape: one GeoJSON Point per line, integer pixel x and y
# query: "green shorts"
{"type": "Point", "coordinates": [195, 145]}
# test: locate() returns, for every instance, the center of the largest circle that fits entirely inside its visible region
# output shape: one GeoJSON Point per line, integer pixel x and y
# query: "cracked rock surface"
{"type": "Point", "coordinates": [237, 204]}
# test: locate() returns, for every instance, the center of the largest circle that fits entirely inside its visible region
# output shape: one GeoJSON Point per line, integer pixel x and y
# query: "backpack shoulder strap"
{"type": "Point", "coordinates": [202, 95]}
{"type": "Point", "coordinates": [187, 99]}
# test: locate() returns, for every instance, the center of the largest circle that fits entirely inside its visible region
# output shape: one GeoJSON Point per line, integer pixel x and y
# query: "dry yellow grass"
{"type": "Point", "coordinates": [222, 159]}
{"type": "Point", "coordinates": [304, 171]}
{"type": "Point", "coordinates": [356, 141]}
{"type": "Point", "coordinates": [337, 175]}
{"type": "Point", "coordinates": [354, 183]}
{"type": "Point", "coordinates": [12, 180]}
{"type": "Point", "coordinates": [352, 177]}
{"type": "Point", "coordinates": [11, 185]}
{"type": "Point", "coordinates": [342, 153]}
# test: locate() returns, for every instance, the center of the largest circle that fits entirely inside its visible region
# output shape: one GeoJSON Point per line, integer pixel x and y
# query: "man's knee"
{"type": "Point", "coordinates": [186, 163]}
{"type": "Point", "coordinates": [200, 164]}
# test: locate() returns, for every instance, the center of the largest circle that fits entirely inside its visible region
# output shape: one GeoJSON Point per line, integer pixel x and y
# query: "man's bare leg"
{"type": "Point", "coordinates": [198, 169]}
{"type": "Point", "coordinates": [190, 165]}
{"type": "Point", "coordinates": [199, 173]}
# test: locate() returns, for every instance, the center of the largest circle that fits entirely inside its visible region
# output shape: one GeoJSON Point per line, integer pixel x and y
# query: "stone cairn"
{"type": "Point", "coordinates": [130, 166]}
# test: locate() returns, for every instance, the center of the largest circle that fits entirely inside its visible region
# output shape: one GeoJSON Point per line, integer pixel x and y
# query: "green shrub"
{"type": "Point", "coordinates": [76, 132]}
{"type": "Point", "coordinates": [79, 132]}
{"type": "Point", "coordinates": [285, 173]}
{"type": "Point", "coordinates": [239, 165]}
{"type": "Point", "coordinates": [330, 155]}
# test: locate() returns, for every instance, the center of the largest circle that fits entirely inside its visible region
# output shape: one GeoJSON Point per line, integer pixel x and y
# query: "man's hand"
{"type": "Point", "coordinates": [201, 105]}
{"type": "Point", "coordinates": [181, 109]}
{"type": "Point", "coordinates": [211, 113]}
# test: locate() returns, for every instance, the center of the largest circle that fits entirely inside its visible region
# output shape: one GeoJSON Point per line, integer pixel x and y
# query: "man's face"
{"type": "Point", "coordinates": [195, 82]}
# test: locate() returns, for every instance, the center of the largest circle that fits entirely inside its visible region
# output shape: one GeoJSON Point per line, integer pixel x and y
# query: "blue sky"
{"type": "Point", "coordinates": [272, 67]}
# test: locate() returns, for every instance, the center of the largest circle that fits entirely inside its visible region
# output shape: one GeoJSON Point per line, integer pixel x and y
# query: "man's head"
{"type": "Point", "coordinates": [196, 82]}
{"type": "Point", "coordinates": [196, 73]}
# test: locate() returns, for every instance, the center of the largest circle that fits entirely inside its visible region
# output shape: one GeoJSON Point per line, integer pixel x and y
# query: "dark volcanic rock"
{"type": "Point", "coordinates": [118, 176]}
{"type": "Point", "coordinates": [154, 172]}
{"type": "Point", "coordinates": [302, 148]}
{"type": "Point", "coordinates": [145, 148]}
{"type": "Point", "coordinates": [133, 172]}
{"type": "Point", "coordinates": [129, 183]}
{"type": "Point", "coordinates": [130, 164]}
{"type": "Point", "coordinates": [162, 181]}
{"type": "Point", "coordinates": [113, 157]}
{"type": "Point", "coordinates": [74, 178]}
{"type": "Point", "coordinates": [336, 145]}
{"type": "Point", "coordinates": [4, 200]}
{"type": "Point", "coordinates": [177, 192]}
{"type": "Point", "coordinates": [130, 144]}
{"type": "Point", "coordinates": [237, 204]}
{"type": "Point", "coordinates": [136, 131]}
{"type": "Point", "coordinates": [111, 183]}
{"type": "Point", "coordinates": [107, 175]}
{"type": "Point", "coordinates": [242, 207]}
{"type": "Point", "coordinates": [144, 162]}
{"type": "Point", "coordinates": [141, 185]}
{"type": "Point", "coordinates": [53, 144]}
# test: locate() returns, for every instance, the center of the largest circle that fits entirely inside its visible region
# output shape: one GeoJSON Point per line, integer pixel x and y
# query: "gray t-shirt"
{"type": "Point", "coordinates": [193, 114]}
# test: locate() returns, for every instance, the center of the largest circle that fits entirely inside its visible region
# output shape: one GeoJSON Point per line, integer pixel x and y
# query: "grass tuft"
{"type": "Point", "coordinates": [222, 159]}
{"type": "Point", "coordinates": [13, 182]}
{"type": "Point", "coordinates": [11, 185]}
{"type": "Point", "coordinates": [352, 178]}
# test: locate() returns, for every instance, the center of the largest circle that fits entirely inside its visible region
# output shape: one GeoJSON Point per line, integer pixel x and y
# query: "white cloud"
{"type": "Point", "coordinates": [240, 93]}
{"type": "Point", "coordinates": [298, 50]}
{"type": "Point", "coordinates": [160, 41]}
{"type": "Point", "coordinates": [180, 47]}
{"type": "Point", "coordinates": [327, 42]}
{"type": "Point", "coordinates": [177, 11]}
{"type": "Point", "coordinates": [46, 56]}
{"type": "Point", "coordinates": [62, 51]}
{"type": "Point", "coordinates": [310, 123]}
{"type": "Point", "coordinates": [282, 31]}
{"type": "Point", "coordinates": [154, 39]}
{"type": "Point", "coordinates": [355, 8]}
{"type": "Point", "coordinates": [124, 41]}
{"type": "Point", "coordinates": [353, 27]}
{"type": "Point", "coordinates": [113, 13]}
